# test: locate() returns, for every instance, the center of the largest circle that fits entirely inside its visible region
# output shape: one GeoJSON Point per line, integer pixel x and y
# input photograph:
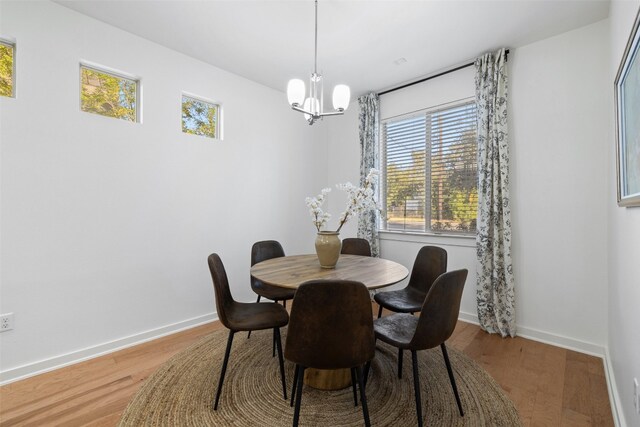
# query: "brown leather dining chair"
{"type": "Point", "coordinates": [356, 246]}
{"type": "Point", "coordinates": [262, 251]}
{"type": "Point", "coordinates": [237, 316]}
{"type": "Point", "coordinates": [437, 320]}
{"type": "Point", "coordinates": [430, 263]}
{"type": "Point", "coordinates": [330, 328]}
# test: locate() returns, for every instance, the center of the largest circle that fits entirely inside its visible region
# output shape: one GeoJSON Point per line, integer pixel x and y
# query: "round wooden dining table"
{"type": "Point", "coordinates": [291, 271]}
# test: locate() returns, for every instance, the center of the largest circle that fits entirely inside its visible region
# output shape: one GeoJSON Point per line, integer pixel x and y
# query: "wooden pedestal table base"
{"type": "Point", "coordinates": [291, 271]}
{"type": "Point", "coordinates": [327, 379]}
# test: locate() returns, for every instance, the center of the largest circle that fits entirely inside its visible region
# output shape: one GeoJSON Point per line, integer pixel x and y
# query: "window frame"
{"type": "Point", "coordinates": [121, 75]}
{"type": "Point", "coordinates": [218, 117]}
{"type": "Point", "coordinates": [13, 45]}
{"type": "Point", "coordinates": [428, 112]}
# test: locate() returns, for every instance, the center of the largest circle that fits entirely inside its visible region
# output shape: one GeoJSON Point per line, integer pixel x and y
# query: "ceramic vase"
{"type": "Point", "coordinates": [328, 247]}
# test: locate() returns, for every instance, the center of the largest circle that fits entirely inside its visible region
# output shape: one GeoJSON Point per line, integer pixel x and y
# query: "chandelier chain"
{"type": "Point", "coordinates": [315, 59]}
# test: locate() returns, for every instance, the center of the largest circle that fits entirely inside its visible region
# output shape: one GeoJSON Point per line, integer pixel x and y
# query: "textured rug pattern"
{"type": "Point", "coordinates": [181, 392]}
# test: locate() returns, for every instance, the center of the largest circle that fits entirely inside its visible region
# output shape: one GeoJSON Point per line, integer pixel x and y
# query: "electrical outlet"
{"type": "Point", "coordinates": [6, 322]}
{"type": "Point", "coordinates": [636, 395]}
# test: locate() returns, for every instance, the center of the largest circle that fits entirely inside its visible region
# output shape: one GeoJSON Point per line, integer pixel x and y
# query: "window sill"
{"type": "Point", "coordinates": [431, 238]}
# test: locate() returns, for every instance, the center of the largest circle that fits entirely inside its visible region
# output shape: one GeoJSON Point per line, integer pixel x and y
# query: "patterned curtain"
{"type": "Point", "coordinates": [495, 291]}
{"type": "Point", "coordinates": [369, 158]}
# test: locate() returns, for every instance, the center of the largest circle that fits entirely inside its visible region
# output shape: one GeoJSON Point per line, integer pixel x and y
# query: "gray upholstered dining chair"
{"type": "Point", "coordinates": [430, 263]}
{"type": "Point", "coordinates": [238, 316]}
{"type": "Point", "coordinates": [437, 320]}
{"type": "Point", "coordinates": [330, 328]}
{"type": "Point", "coordinates": [355, 246]}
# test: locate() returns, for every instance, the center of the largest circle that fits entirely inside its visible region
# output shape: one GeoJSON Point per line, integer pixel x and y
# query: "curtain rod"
{"type": "Point", "coordinates": [460, 67]}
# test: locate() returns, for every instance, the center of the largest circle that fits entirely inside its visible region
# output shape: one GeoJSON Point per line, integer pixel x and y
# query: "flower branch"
{"type": "Point", "coordinates": [360, 200]}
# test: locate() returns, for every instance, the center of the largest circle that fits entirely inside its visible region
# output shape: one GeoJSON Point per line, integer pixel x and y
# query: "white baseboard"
{"type": "Point", "coordinates": [469, 318]}
{"type": "Point", "coordinates": [614, 397]}
{"type": "Point", "coordinates": [548, 338]}
{"type": "Point", "coordinates": [561, 341]}
{"type": "Point", "coordinates": [46, 365]}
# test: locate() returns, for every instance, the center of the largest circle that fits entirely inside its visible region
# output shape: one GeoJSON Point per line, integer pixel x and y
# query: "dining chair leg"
{"type": "Point", "coordinates": [273, 344]}
{"type": "Point", "coordinates": [281, 361]}
{"type": "Point", "coordinates": [363, 397]}
{"type": "Point", "coordinates": [400, 354]}
{"type": "Point", "coordinates": [224, 368]}
{"type": "Point", "coordinates": [416, 386]}
{"type": "Point", "coordinates": [284, 303]}
{"type": "Point", "coordinates": [249, 334]}
{"type": "Point", "coordinates": [296, 412]}
{"type": "Point", "coordinates": [451, 377]}
{"type": "Point", "coordinates": [353, 386]}
{"type": "Point", "coordinates": [294, 385]}
{"type": "Point", "coordinates": [379, 311]}
{"type": "Point", "coordinates": [367, 368]}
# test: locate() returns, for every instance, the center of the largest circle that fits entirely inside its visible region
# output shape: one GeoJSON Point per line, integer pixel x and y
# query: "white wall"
{"type": "Point", "coordinates": [343, 147]}
{"type": "Point", "coordinates": [624, 245]}
{"type": "Point", "coordinates": [558, 103]}
{"type": "Point", "coordinates": [445, 89]}
{"type": "Point", "coordinates": [559, 118]}
{"type": "Point", "coordinates": [106, 225]}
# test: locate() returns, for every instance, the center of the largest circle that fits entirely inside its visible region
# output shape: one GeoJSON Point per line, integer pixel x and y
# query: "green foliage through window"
{"type": "Point", "coordinates": [199, 117]}
{"type": "Point", "coordinates": [7, 53]}
{"type": "Point", "coordinates": [431, 171]}
{"type": "Point", "coordinates": [108, 95]}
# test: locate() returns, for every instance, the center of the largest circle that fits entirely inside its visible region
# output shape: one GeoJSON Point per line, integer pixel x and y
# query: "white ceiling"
{"type": "Point", "coordinates": [271, 41]}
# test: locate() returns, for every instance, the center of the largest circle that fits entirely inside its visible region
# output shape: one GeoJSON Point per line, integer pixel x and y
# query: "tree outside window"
{"type": "Point", "coordinates": [431, 171]}
{"type": "Point", "coordinates": [200, 117]}
{"type": "Point", "coordinates": [7, 67]}
{"type": "Point", "coordinates": [108, 94]}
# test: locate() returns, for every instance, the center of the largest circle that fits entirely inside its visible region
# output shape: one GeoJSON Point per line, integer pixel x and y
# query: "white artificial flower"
{"type": "Point", "coordinates": [359, 200]}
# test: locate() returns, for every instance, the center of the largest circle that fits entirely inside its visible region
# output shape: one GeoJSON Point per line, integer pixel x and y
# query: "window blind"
{"type": "Point", "coordinates": [431, 170]}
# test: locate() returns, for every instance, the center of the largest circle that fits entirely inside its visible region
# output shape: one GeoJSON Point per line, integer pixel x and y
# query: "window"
{"type": "Point", "coordinates": [108, 94]}
{"type": "Point", "coordinates": [200, 117]}
{"type": "Point", "coordinates": [7, 68]}
{"type": "Point", "coordinates": [431, 170]}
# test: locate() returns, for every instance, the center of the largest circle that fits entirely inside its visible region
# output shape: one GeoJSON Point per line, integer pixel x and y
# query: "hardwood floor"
{"type": "Point", "coordinates": [550, 386]}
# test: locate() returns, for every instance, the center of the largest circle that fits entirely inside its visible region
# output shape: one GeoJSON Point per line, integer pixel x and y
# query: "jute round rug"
{"type": "Point", "coordinates": [181, 392]}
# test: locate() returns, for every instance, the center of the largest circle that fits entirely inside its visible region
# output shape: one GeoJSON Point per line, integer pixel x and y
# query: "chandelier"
{"type": "Point", "coordinates": [313, 106]}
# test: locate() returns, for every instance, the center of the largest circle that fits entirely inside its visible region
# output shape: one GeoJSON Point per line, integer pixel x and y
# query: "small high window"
{"type": "Point", "coordinates": [7, 68]}
{"type": "Point", "coordinates": [108, 94]}
{"type": "Point", "coordinates": [200, 117]}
